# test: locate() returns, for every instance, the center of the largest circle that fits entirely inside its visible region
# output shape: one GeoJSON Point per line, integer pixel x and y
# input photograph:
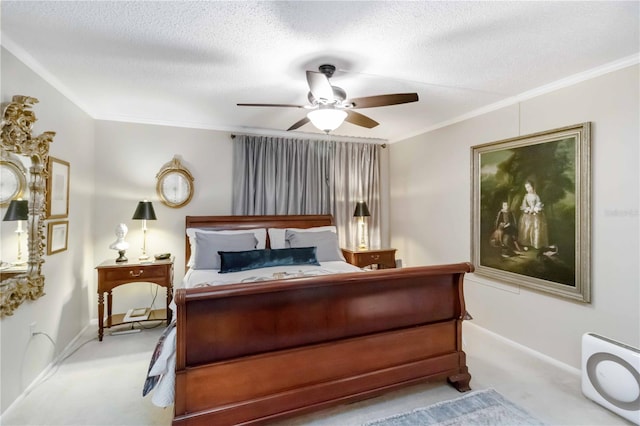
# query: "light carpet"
{"type": "Point", "coordinates": [485, 407]}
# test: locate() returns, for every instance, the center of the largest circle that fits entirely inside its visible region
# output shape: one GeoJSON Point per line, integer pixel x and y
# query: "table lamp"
{"type": "Point", "coordinates": [144, 212]}
{"type": "Point", "coordinates": [18, 210]}
{"type": "Point", "coordinates": [361, 212]}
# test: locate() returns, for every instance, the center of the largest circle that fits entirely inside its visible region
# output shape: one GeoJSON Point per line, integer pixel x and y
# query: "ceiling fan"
{"type": "Point", "coordinates": [330, 107]}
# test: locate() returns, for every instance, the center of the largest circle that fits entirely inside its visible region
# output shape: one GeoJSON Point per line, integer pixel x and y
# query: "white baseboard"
{"type": "Point", "coordinates": [60, 357]}
{"type": "Point", "coordinates": [539, 355]}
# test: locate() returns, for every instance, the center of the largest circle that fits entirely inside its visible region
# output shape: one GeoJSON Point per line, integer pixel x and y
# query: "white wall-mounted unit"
{"type": "Point", "coordinates": [611, 375]}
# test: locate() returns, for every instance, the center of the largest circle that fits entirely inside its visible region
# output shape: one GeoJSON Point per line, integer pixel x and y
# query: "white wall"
{"type": "Point", "coordinates": [63, 311]}
{"type": "Point", "coordinates": [127, 159]}
{"type": "Point", "coordinates": [113, 166]}
{"type": "Point", "coordinates": [431, 213]}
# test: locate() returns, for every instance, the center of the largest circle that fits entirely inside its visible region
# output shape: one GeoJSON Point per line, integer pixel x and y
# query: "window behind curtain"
{"type": "Point", "coordinates": [278, 176]}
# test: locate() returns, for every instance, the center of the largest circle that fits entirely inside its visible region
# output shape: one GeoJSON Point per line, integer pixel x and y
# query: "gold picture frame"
{"type": "Point", "coordinates": [57, 236]}
{"type": "Point", "coordinates": [17, 138]}
{"type": "Point", "coordinates": [57, 188]}
{"type": "Point", "coordinates": [531, 209]}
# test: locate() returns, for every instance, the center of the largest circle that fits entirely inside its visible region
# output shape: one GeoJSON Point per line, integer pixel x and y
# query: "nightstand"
{"type": "Point", "coordinates": [384, 258]}
{"type": "Point", "coordinates": [112, 275]}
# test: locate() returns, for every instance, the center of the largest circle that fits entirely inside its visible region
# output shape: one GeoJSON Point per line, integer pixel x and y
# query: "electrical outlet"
{"type": "Point", "coordinates": [32, 328]}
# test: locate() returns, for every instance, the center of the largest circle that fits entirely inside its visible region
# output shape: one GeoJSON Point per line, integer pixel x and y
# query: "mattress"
{"type": "Point", "coordinates": [209, 277]}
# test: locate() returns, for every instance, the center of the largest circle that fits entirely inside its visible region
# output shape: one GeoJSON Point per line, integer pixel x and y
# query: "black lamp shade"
{"type": "Point", "coordinates": [361, 210]}
{"type": "Point", "coordinates": [18, 210]}
{"type": "Point", "coordinates": [144, 211]}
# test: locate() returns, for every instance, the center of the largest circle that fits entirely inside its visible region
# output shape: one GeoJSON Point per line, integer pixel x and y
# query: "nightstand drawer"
{"type": "Point", "coordinates": [384, 258]}
{"type": "Point", "coordinates": [375, 258]}
{"type": "Point", "coordinates": [128, 273]}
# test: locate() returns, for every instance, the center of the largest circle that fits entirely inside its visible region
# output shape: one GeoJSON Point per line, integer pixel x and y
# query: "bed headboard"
{"type": "Point", "coordinates": [219, 223]}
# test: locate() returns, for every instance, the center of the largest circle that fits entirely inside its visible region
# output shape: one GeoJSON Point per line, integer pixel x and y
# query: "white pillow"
{"type": "Point", "coordinates": [260, 233]}
{"type": "Point", "coordinates": [209, 245]}
{"type": "Point", "coordinates": [276, 235]}
{"type": "Point", "coordinates": [326, 243]}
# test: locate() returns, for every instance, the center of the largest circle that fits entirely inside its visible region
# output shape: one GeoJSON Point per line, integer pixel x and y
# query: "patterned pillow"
{"type": "Point", "coordinates": [152, 376]}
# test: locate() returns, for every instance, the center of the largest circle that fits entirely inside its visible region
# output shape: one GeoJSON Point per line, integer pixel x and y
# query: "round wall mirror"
{"type": "Point", "coordinates": [174, 184]}
{"type": "Point", "coordinates": [13, 178]}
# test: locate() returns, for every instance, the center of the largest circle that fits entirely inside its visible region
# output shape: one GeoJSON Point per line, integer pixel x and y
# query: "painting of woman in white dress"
{"type": "Point", "coordinates": [535, 185]}
{"type": "Point", "coordinates": [539, 186]}
{"type": "Point", "coordinates": [532, 232]}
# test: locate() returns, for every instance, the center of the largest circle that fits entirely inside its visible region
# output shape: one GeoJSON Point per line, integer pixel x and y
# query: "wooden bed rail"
{"type": "Point", "coordinates": [250, 353]}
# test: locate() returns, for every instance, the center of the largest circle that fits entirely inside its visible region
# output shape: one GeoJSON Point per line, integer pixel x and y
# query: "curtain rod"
{"type": "Point", "coordinates": [354, 139]}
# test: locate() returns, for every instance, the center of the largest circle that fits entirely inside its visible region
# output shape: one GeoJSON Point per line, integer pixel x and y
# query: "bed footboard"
{"type": "Point", "coordinates": [252, 353]}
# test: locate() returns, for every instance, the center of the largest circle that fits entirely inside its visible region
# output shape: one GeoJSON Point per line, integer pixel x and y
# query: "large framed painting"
{"type": "Point", "coordinates": [531, 211]}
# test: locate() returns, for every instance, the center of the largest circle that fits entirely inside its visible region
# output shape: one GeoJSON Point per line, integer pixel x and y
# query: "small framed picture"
{"type": "Point", "coordinates": [57, 236]}
{"type": "Point", "coordinates": [57, 188]}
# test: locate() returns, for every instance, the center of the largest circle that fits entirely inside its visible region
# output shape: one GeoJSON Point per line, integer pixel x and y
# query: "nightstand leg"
{"type": "Point", "coordinates": [100, 316]}
{"type": "Point", "coordinates": [109, 303]}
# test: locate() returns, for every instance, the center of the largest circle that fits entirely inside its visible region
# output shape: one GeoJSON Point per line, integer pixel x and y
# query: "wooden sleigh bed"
{"type": "Point", "coordinates": [253, 353]}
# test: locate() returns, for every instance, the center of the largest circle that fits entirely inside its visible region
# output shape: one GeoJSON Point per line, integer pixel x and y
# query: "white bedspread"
{"type": "Point", "coordinates": [165, 363]}
{"type": "Point", "coordinates": [209, 277]}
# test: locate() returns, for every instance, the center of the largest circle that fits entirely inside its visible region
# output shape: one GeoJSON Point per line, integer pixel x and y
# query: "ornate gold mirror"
{"type": "Point", "coordinates": [24, 281]}
{"type": "Point", "coordinates": [174, 184]}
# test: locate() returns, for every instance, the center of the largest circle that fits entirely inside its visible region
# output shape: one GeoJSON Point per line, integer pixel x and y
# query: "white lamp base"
{"type": "Point", "coordinates": [362, 234]}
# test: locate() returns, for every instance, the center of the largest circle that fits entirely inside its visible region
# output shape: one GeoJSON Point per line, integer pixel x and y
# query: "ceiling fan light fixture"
{"type": "Point", "coordinates": [327, 119]}
{"type": "Point", "coordinates": [330, 106]}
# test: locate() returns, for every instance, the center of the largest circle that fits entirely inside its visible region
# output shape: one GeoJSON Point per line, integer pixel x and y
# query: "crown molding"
{"type": "Point", "coordinates": [240, 130]}
{"type": "Point", "coordinates": [542, 90]}
{"type": "Point", "coordinates": [36, 67]}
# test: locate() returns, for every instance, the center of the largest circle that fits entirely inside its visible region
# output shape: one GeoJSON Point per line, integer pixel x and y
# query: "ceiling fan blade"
{"type": "Point", "coordinates": [360, 119]}
{"type": "Point", "coordinates": [298, 124]}
{"type": "Point", "coordinates": [384, 100]}
{"type": "Point", "coordinates": [320, 86]}
{"type": "Point", "coordinates": [273, 105]}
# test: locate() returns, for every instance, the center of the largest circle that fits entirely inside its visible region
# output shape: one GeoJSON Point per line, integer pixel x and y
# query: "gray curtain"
{"type": "Point", "coordinates": [294, 176]}
{"type": "Point", "coordinates": [356, 177]}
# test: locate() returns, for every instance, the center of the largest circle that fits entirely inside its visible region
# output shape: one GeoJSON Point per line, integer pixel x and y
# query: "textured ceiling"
{"type": "Point", "coordinates": [189, 63]}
